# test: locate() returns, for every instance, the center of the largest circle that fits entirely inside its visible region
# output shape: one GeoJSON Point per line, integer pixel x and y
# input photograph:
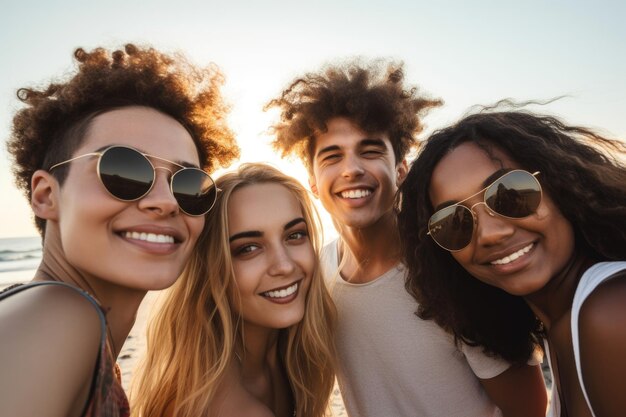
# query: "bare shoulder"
{"type": "Point", "coordinates": [602, 324]}
{"type": "Point", "coordinates": [50, 342]}
{"type": "Point", "coordinates": [604, 311]}
{"type": "Point", "coordinates": [46, 308]}
{"type": "Point", "coordinates": [602, 339]}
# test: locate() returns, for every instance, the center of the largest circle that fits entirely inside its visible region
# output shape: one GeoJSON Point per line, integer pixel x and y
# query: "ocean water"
{"type": "Point", "coordinates": [19, 257]}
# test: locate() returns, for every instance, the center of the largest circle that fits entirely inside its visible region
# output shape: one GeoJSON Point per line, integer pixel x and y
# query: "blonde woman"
{"type": "Point", "coordinates": [248, 328]}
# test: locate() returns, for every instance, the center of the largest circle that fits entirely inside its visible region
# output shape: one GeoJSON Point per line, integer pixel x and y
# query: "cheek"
{"type": "Point", "coordinates": [305, 256]}
{"type": "Point", "coordinates": [559, 237]}
{"type": "Point", "coordinates": [247, 278]}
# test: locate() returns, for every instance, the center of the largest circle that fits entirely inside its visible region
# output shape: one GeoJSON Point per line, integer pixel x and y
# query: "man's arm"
{"type": "Point", "coordinates": [520, 391]}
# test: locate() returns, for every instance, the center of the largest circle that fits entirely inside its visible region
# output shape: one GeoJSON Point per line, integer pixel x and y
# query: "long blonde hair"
{"type": "Point", "coordinates": [191, 340]}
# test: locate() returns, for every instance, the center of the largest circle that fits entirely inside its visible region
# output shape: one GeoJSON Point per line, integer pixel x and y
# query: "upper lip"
{"type": "Point", "coordinates": [282, 287]}
{"type": "Point", "coordinates": [150, 228]}
{"type": "Point", "coordinates": [505, 252]}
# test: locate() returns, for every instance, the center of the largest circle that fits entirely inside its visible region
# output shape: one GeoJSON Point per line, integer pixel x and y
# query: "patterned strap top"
{"type": "Point", "coordinates": [106, 396]}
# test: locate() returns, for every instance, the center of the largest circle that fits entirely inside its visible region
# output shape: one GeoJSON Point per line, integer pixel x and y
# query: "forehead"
{"type": "Point", "coordinates": [463, 170]}
{"type": "Point", "coordinates": [261, 207]}
{"type": "Point", "coordinates": [143, 128]}
{"type": "Point", "coordinates": [344, 133]}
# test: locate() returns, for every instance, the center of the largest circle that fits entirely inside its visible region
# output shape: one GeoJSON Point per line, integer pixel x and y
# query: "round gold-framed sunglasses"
{"type": "Point", "coordinates": [128, 175]}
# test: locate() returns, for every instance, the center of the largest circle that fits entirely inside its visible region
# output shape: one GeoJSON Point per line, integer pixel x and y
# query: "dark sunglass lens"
{"type": "Point", "coordinates": [194, 191]}
{"type": "Point", "coordinates": [126, 173]}
{"type": "Point", "coordinates": [517, 194]}
{"type": "Point", "coordinates": [452, 227]}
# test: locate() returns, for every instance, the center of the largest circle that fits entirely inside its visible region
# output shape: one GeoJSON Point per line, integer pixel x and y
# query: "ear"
{"type": "Point", "coordinates": [43, 199]}
{"type": "Point", "coordinates": [402, 169]}
{"type": "Point", "coordinates": [313, 185]}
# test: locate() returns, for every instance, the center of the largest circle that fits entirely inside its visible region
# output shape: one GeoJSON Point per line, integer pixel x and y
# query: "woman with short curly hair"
{"type": "Point", "coordinates": [113, 162]}
{"type": "Point", "coordinates": [513, 225]}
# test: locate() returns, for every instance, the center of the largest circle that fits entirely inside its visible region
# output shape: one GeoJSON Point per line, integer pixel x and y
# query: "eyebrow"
{"type": "Point", "coordinates": [327, 149]}
{"type": "Point", "coordinates": [373, 142]}
{"type": "Point", "coordinates": [486, 183]}
{"type": "Point", "coordinates": [258, 233]}
{"type": "Point", "coordinates": [362, 143]}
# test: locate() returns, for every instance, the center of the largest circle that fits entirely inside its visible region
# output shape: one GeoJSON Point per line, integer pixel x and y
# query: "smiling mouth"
{"type": "Point", "coordinates": [514, 256]}
{"type": "Point", "coordinates": [360, 193]}
{"type": "Point", "coordinates": [149, 237]}
{"type": "Point", "coordinates": [282, 293]}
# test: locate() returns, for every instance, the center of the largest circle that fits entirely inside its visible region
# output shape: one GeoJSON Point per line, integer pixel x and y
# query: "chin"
{"type": "Point", "coordinates": [290, 322]}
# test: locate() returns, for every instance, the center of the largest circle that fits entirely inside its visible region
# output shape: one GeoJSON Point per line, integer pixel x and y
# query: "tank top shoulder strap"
{"type": "Point", "coordinates": [591, 279]}
{"type": "Point", "coordinates": [15, 289]}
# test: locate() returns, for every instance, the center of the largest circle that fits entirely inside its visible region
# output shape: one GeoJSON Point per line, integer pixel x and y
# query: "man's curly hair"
{"type": "Point", "coordinates": [371, 95]}
{"type": "Point", "coordinates": [55, 119]}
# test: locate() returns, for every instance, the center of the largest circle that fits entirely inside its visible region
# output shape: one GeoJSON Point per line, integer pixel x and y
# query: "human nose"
{"type": "Point", "coordinates": [282, 263]}
{"type": "Point", "coordinates": [490, 228]}
{"type": "Point", "coordinates": [160, 199]}
{"type": "Point", "coordinates": [352, 167]}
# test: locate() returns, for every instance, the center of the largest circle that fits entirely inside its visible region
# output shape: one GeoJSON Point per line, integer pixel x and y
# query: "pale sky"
{"type": "Point", "coordinates": [465, 52]}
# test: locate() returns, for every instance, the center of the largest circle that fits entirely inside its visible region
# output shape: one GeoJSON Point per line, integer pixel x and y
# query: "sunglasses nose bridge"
{"type": "Point", "coordinates": [165, 169]}
{"type": "Point", "coordinates": [169, 179]}
{"type": "Point", "coordinates": [490, 212]}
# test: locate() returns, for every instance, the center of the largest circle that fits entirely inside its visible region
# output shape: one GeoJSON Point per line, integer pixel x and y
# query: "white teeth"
{"type": "Point", "coordinates": [282, 293]}
{"type": "Point", "coordinates": [510, 258]}
{"type": "Point", "coordinates": [355, 193]}
{"type": "Point", "coordinates": [149, 237]}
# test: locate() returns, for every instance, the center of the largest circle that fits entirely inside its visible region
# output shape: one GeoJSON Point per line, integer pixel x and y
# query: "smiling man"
{"type": "Point", "coordinates": [352, 125]}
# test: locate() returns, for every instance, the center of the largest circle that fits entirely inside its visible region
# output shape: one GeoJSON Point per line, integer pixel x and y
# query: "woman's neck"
{"type": "Point", "coordinates": [262, 373]}
{"type": "Point", "coordinates": [554, 300]}
{"type": "Point", "coordinates": [258, 349]}
{"type": "Point", "coordinates": [119, 303]}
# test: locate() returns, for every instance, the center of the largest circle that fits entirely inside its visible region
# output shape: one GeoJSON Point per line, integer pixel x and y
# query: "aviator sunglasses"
{"type": "Point", "coordinates": [128, 175]}
{"type": "Point", "coordinates": [514, 195]}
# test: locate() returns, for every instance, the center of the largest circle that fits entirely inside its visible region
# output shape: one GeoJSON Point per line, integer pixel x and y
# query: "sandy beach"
{"type": "Point", "coordinates": [135, 347]}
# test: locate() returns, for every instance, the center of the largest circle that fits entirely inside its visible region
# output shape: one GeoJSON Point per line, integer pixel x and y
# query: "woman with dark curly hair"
{"type": "Point", "coordinates": [513, 227]}
{"type": "Point", "coordinates": [113, 161]}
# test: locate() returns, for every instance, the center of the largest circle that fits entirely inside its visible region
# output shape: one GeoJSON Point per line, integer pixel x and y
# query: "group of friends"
{"type": "Point", "coordinates": [452, 278]}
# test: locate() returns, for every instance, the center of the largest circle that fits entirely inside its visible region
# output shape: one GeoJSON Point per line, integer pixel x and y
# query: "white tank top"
{"type": "Point", "coordinates": [590, 280]}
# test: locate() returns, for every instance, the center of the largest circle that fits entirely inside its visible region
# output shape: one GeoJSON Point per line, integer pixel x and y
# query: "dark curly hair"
{"type": "Point", "coordinates": [54, 122]}
{"type": "Point", "coordinates": [371, 95]}
{"type": "Point", "coordinates": [587, 184]}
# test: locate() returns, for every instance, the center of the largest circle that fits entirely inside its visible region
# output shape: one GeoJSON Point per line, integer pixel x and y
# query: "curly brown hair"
{"type": "Point", "coordinates": [581, 172]}
{"type": "Point", "coordinates": [371, 95]}
{"type": "Point", "coordinates": [55, 119]}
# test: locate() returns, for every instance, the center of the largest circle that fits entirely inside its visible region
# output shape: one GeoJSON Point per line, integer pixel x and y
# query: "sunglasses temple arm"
{"type": "Point", "coordinates": [74, 159]}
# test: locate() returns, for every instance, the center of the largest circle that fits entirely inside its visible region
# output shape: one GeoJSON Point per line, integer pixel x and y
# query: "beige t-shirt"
{"type": "Point", "coordinates": [392, 363]}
